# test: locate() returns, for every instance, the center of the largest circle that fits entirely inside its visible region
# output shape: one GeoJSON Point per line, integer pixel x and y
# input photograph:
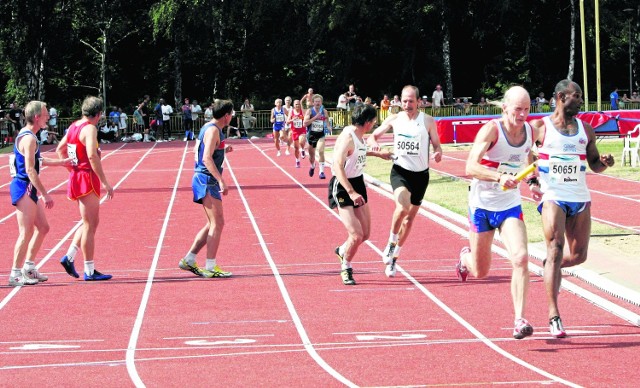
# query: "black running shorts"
{"type": "Point", "coordinates": [415, 181]}
{"type": "Point", "coordinates": [338, 196]}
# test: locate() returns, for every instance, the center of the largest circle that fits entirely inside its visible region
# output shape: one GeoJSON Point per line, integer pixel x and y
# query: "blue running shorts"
{"type": "Point", "coordinates": [481, 220]}
{"type": "Point", "coordinates": [201, 184]}
{"type": "Point", "coordinates": [569, 208]}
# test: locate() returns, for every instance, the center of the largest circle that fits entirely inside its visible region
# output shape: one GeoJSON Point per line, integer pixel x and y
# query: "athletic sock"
{"type": "Point", "coordinates": [396, 251]}
{"type": "Point", "coordinates": [15, 272]}
{"type": "Point", "coordinates": [190, 258]}
{"type": "Point", "coordinates": [342, 249]}
{"type": "Point", "coordinates": [211, 263]}
{"type": "Point", "coordinates": [321, 166]}
{"type": "Point", "coordinates": [71, 253]}
{"type": "Point", "coordinates": [88, 267]}
{"type": "Point", "coordinates": [345, 264]}
{"type": "Point", "coordinates": [393, 237]}
{"type": "Point", "coordinates": [28, 265]}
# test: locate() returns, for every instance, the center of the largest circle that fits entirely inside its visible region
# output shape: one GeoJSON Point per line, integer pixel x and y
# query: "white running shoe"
{"type": "Point", "coordinates": [18, 281]}
{"type": "Point", "coordinates": [34, 274]}
{"type": "Point", "coordinates": [278, 154]}
{"type": "Point", "coordinates": [390, 271]}
{"type": "Point", "coordinates": [287, 152]}
{"type": "Point", "coordinates": [387, 255]}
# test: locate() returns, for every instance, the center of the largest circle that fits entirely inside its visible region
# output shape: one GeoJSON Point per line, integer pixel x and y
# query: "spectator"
{"type": "Point", "coordinates": [385, 104]}
{"type": "Point", "coordinates": [482, 105]}
{"type": "Point", "coordinates": [138, 119]}
{"type": "Point", "coordinates": [351, 97]}
{"type": "Point", "coordinates": [122, 126]}
{"type": "Point", "coordinates": [167, 111]}
{"type": "Point", "coordinates": [195, 112]}
{"type": "Point", "coordinates": [15, 120]}
{"type": "Point", "coordinates": [159, 118]}
{"type": "Point", "coordinates": [307, 99]}
{"type": "Point", "coordinates": [342, 102]}
{"type": "Point", "coordinates": [424, 102]}
{"type": "Point", "coordinates": [541, 101]}
{"type": "Point", "coordinates": [187, 120]}
{"type": "Point", "coordinates": [396, 105]}
{"type": "Point", "coordinates": [114, 116]}
{"type": "Point", "coordinates": [208, 113]}
{"type": "Point", "coordinates": [635, 97]}
{"type": "Point", "coordinates": [48, 137]}
{"type": "Point", "coordinates": [437, 99]}
{"type": "Point", "coordinates": [358, 102]}
{"type": "Point", "coordinates": [53, 120]}
{"type": "Point", "coordinates": [458, 106]}
{"type": "Point", "coordinates": [614, 99]}
{"type": "Point", "coordinates": [552, 103]}
{"type": "Point", "coordinates": [108, 132]}
{"type": "Point", "coordinates": [248, 121]}
{"type": "Point", "coordinates": [367, 101]}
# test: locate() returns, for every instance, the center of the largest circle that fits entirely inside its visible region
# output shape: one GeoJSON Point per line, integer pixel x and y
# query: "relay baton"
{"type": "Point", "coordinates": [522, 174]}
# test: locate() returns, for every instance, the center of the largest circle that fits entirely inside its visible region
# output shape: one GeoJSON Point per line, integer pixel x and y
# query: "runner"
{"type": "Point", "coordinates": [501, 149]}
{"type": "Point", "coordinates": [298, 131]}
{"type": "Point", "coordinates": [413, 131]}
{"type": "Point", "coordinates": [278, 119]}
{"type": "Point", "coordinates": [566, 146]}
{"type": "Point", "coordinates": [24, 167]}
{"type": "Point", "coordinates": [208, 187]}
{"type": "Point", "coordinates": [81, 145]}
{"type": "Point", "coordinates": [317, 123]}
{"type": "Point", "coordinates": [347, 190]}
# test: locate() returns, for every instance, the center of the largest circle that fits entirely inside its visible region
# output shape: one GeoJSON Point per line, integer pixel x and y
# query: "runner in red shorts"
{"type": "Point", "coordinates": [298, 131]}
{"type": "Point", "coordinates": [81, 145]}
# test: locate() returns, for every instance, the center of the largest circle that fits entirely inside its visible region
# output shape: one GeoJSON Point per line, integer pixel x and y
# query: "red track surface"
{"type": "Point", "coordinates": [284, 318]}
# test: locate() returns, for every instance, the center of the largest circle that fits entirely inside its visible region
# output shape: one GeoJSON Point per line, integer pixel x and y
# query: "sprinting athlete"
{"type": "Point", "coordinates": [278, 119]}
{"type": "Point", "coordinates": [298, 131]}
{"type": "Point", "coordinates": [317, 123]}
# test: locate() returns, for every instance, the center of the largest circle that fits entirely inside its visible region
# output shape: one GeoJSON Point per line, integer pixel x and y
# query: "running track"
{"type": "Point", "coordinates": [285, 318]}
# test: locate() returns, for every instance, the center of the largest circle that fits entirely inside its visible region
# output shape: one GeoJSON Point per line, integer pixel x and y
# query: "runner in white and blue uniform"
{"type": "Point", "coordinates": [565, 145]}
{"type": "Point", "coordinates": [502, 148]}
{"type": "Point", "coordinates": [24, 167]}
{"type": "Point", "coordinates": [347, 190]}
{"type": "Point", "coordinates": [413, 133]}
{"type": "Point", "coordinates": [208, 185]}
{"type": "Point", "coordinates": [278, 119]}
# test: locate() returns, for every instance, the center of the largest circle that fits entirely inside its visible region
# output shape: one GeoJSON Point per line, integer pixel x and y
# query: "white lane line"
{"type": "Point", "coordinates": [70, 233]}
{"type": "Point", "coordinates": [135, 332]}
{"type": "Point", "coordinates": [431, 296]}
{"type": "Point", "coordinates": [283, 289]}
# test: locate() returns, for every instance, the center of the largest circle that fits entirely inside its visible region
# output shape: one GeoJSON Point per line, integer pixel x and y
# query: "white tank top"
{"type": "Point", "coordinates": [411, 143]}
{"type": "Point", "coordinates": [506, 158]}
{"type": "Point", "coordinates": [354, 164]}
{"type": "Point", "coordinates": [563, 164]}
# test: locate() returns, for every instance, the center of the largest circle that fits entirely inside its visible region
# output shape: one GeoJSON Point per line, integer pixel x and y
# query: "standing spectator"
{"type": "Point", "coordinates": [342, 102]}
{"type": "Point", "coordinates": [614, 99]}
{"type": "Point", "coordinates": [317, 122]}
{"type": "Point", "coordinates": [424, 103]}
{"type": "Point", "coordinates": [187, 120]}
{"type": "Point", "coordinates": [541, 101]}
{"type": "Point", "coordinates": [159, 118]}
{"type": "Point", "coordinates": [195, 113]}
{"type": "Point", "coordinates": [208, 113]}
{"type": "Point", "coordinates": [437, 99]}
{"type": "Point", "coordinates": [385, 104]}
{"type": "Point", "coordinates": [167, 111]}
{"type": "Point", "coordinates": [396, 105]}
{"type": "Point", "coordinates": [567, 146]}
{"type": "Point", "coordinates": [81, 144]}
{"type": "Point", "coordinates": [413, 133]}
{"type": "Point", "coordinates": [114, 116]}
{"type": "Point", "coordinates": [53, 120]}
{"type": "Point", "coordinates": [351, 97]}
{"type": "Point", "coordinates": [145, 109]}
{"type": "Point", "coordinates": [307, 99]}
{"type": "Point", "coordinates": [208, 188]}
{"type": "Point", "coordinates": [138, 119]}
{"type": "Point", "coordinates": [24, 167]}
{"type": "Point", "coordinates": [248, 121]}
{"type": "Point", "coordinates": [122, 126]}
{"type": "Point", "coordinates": [15, 120]}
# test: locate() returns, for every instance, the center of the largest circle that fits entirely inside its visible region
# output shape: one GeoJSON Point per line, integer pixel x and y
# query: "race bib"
{"type": "Point", "coordinates": [317, 126]}
{"type": "Point", "coordinates": [279, 117]}
{"type": "Point", "coordinates": [71, 151]}
{"type": "Point", "coordinates": [362, 159]}
{"type": "Point", "coordinates": [510, 168]}
{"type": "Point", "coordinates": [565, 170]}
{"type": "Point", "coordinates": [407, 145]}
{"type": "Point", "coordinates": [12, 165]}
{"type": "Point", "coordinates": [297, 123]}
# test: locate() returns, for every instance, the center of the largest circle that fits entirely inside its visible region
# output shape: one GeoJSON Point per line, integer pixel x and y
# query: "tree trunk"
{"type": "Point", "coordinates": [446, 54]}
{"type": "Point", "coordinates": [572, 42]}
{"type": "Point", "coordinates": [177, 75]}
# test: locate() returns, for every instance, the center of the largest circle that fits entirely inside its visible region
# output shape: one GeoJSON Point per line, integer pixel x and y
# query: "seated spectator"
{"type": "Point", "coordinates": [108, 132]}
{"type": "Point", "coordinates": [367, 101]}
{"type": "Point", "coordinates": [48, 137]}
{"type": "Point", "coordinates": [458, 106]}
{"type": "Point", "coordinates": [635, 97]}
{"type": "Point", "coordinates": [359, 102]}
{"type": "Point", "coordinates": [342, 102]}
{"type": "Point", "coordinates": [248, 121]}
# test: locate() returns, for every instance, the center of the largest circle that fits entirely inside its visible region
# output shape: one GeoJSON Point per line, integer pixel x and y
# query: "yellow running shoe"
{"type": "Point", "coordinates": [217, 272]}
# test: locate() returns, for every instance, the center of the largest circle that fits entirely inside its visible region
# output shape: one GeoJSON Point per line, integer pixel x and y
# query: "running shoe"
{"type": "Point", "coordinates": [340, 257]}
{"type": "Point", "coordinates": [304, 155]}
{"type": "Point", "coordinates": [555, 327]}
{"type": "Point", "coordinates": [278, 154]}
{"type": "Point", "coordinates": [297, 164]}
{"type": "Point", "coordinates": [69, 266]}
{"type": "Point", "coordinates": [461, 269]}
{"type": "Point", "coordinates": [322, 176]}
{"type": "Point", "coordinates": [522, 329]}
{"type": "Point", "coordinates": [183, 264]}
{"type": "Point", "coordinates": [96, 276]}
{"type": "Point", "coordinates": [347, 277]}
{"type": "Point", "coordinates": [34, 274]}
{"type": "Point", "coordinates": [387, 255]}
{"type": "Point", "coordinates": [286, 152]}
{"type": "Point", "coordinates": [18, 281]}
{"type": "Point", "coordinates": [390, 271]}
{"type": "Point", "coordinates": [312, 170]}
{"type": "Point", "coordinates": [216, 272]}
